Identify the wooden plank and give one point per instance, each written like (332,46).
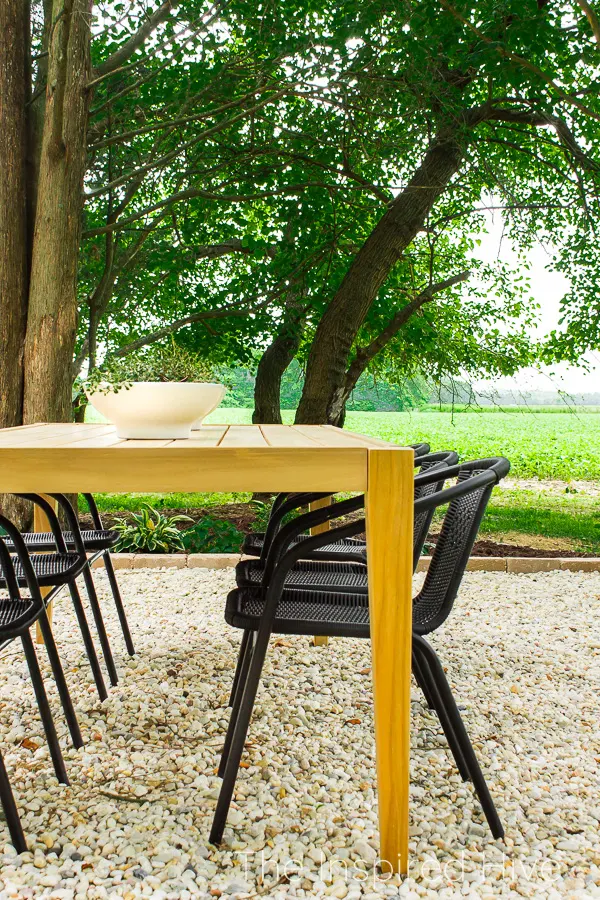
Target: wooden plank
(41,523)
(287,436)
(126,467)
(101,438)
(328,436)
(365,439)
(243,436)
(42,433)
(207,436)
(389,508)
(320,640)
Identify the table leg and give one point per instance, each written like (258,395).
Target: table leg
(320,640)
(41,523)
(389,512)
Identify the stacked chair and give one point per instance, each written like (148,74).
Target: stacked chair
(36,563)
(278,594)
(89,545)
(22,605)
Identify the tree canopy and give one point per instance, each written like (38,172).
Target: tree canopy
(305,180)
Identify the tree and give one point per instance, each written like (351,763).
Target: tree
(477,90)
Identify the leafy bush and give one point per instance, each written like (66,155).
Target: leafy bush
(150,532)
(211,535)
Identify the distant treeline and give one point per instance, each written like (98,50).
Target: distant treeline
(370,394)
(377,394)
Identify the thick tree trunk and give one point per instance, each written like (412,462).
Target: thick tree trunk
(273,363)
(337,330)
(14,65)
(52,309)
(13,207)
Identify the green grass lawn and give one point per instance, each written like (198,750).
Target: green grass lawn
(546,445)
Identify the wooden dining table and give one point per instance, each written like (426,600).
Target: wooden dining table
(77,458)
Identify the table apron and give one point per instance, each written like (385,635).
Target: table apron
(219,469)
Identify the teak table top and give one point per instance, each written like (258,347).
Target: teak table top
(233,458)
(64,458)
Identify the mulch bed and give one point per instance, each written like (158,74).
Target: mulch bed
(242,515)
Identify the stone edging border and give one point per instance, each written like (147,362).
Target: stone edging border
(511,564)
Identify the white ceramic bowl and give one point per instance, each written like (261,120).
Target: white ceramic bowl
(157,409)
(218,396)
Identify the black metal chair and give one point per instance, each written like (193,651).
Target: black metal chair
(18,612)
(340,565)
(98,542)
(272,607)
(56,548)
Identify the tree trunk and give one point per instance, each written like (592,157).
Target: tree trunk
(52,309)
(273,363)
(337,330)
(13,208)
(14,66)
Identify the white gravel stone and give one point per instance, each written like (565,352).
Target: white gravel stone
(522,654)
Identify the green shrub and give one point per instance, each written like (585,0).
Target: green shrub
(211,535)
(151,532)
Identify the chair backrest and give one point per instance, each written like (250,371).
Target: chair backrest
(422,520)
(420,449)
(467,501)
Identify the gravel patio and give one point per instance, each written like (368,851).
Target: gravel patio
(523,654)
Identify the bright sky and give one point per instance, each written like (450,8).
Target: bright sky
(547,289)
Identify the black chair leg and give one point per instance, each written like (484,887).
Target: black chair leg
(438,705)
(88,642)
(10,811)
(112,580)
(420,679)
(242,676)
(248,696)
(97,613)
(61,684)
(462,737)
(236,677)
(44,708)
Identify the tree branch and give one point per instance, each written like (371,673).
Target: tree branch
(592,18)
(191,193)
(364,355)
(120,56)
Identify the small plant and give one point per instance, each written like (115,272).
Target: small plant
(211,535)
(151,532)
(170,363)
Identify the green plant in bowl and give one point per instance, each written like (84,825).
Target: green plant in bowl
(170,363)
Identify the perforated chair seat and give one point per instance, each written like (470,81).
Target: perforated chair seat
(350,547)
(301,612)
(315,611)
(50,568)
(93,540)
(318,576)
(12,610)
